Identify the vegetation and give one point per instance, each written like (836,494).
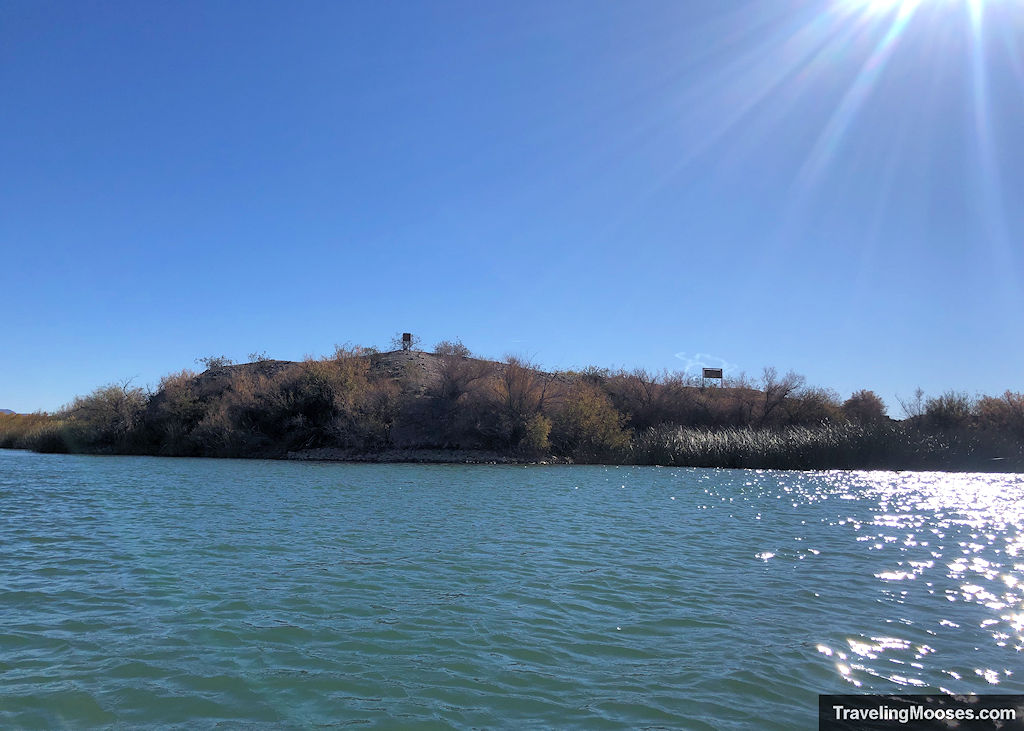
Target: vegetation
(359,401)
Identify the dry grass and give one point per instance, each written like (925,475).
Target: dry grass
(39,431)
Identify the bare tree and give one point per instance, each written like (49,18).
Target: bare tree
(913,408)
(521,392)
(776,390)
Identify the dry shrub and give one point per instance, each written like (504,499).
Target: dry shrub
(587,426)
(1003,414)
(452,348)
(108,419)
(455,404)
(812,406)
(950,411)
(175,412)
(864,407)
(518,393)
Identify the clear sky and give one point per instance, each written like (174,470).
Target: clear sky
(829,186)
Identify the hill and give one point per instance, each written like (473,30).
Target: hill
(360,404)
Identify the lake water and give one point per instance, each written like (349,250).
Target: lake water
(149,592)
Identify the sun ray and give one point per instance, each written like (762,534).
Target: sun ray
(990,194)
(837,126)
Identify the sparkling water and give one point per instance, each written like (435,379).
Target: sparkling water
(149,592)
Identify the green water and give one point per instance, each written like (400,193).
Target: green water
(177,593)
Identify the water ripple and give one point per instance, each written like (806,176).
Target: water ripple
(198,593)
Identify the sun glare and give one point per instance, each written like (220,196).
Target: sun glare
(880,7)
(885,6)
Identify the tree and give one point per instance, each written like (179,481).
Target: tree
(775,390)
(865,408)
(519,393)
(457,372)
(913,408)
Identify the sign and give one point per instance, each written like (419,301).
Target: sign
(712,373)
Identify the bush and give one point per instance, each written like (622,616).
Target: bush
(950,411)
(174,412)
(517,393)
(812,406)
(353,401)
(108,419)
(1003,415)
(864,407)
(213,362)
(535,435)
(452,348)
(587,426)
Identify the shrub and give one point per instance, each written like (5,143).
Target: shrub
(1004,414)
(535,435)
(107,419)
(812,406)
(952,410)
(864,407)
(518,392)
(212,362)
(452,348)
(174,412)
(644,399)
(587,426)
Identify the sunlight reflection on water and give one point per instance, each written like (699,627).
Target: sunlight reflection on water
(949,542)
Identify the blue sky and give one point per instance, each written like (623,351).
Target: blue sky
(827,186)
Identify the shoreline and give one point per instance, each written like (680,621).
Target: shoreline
(479,457)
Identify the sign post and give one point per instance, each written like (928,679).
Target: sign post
(714,373)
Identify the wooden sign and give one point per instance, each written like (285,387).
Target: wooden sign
(712,373)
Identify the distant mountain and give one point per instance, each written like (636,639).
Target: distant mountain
(7,411)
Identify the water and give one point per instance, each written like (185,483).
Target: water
(148,592)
